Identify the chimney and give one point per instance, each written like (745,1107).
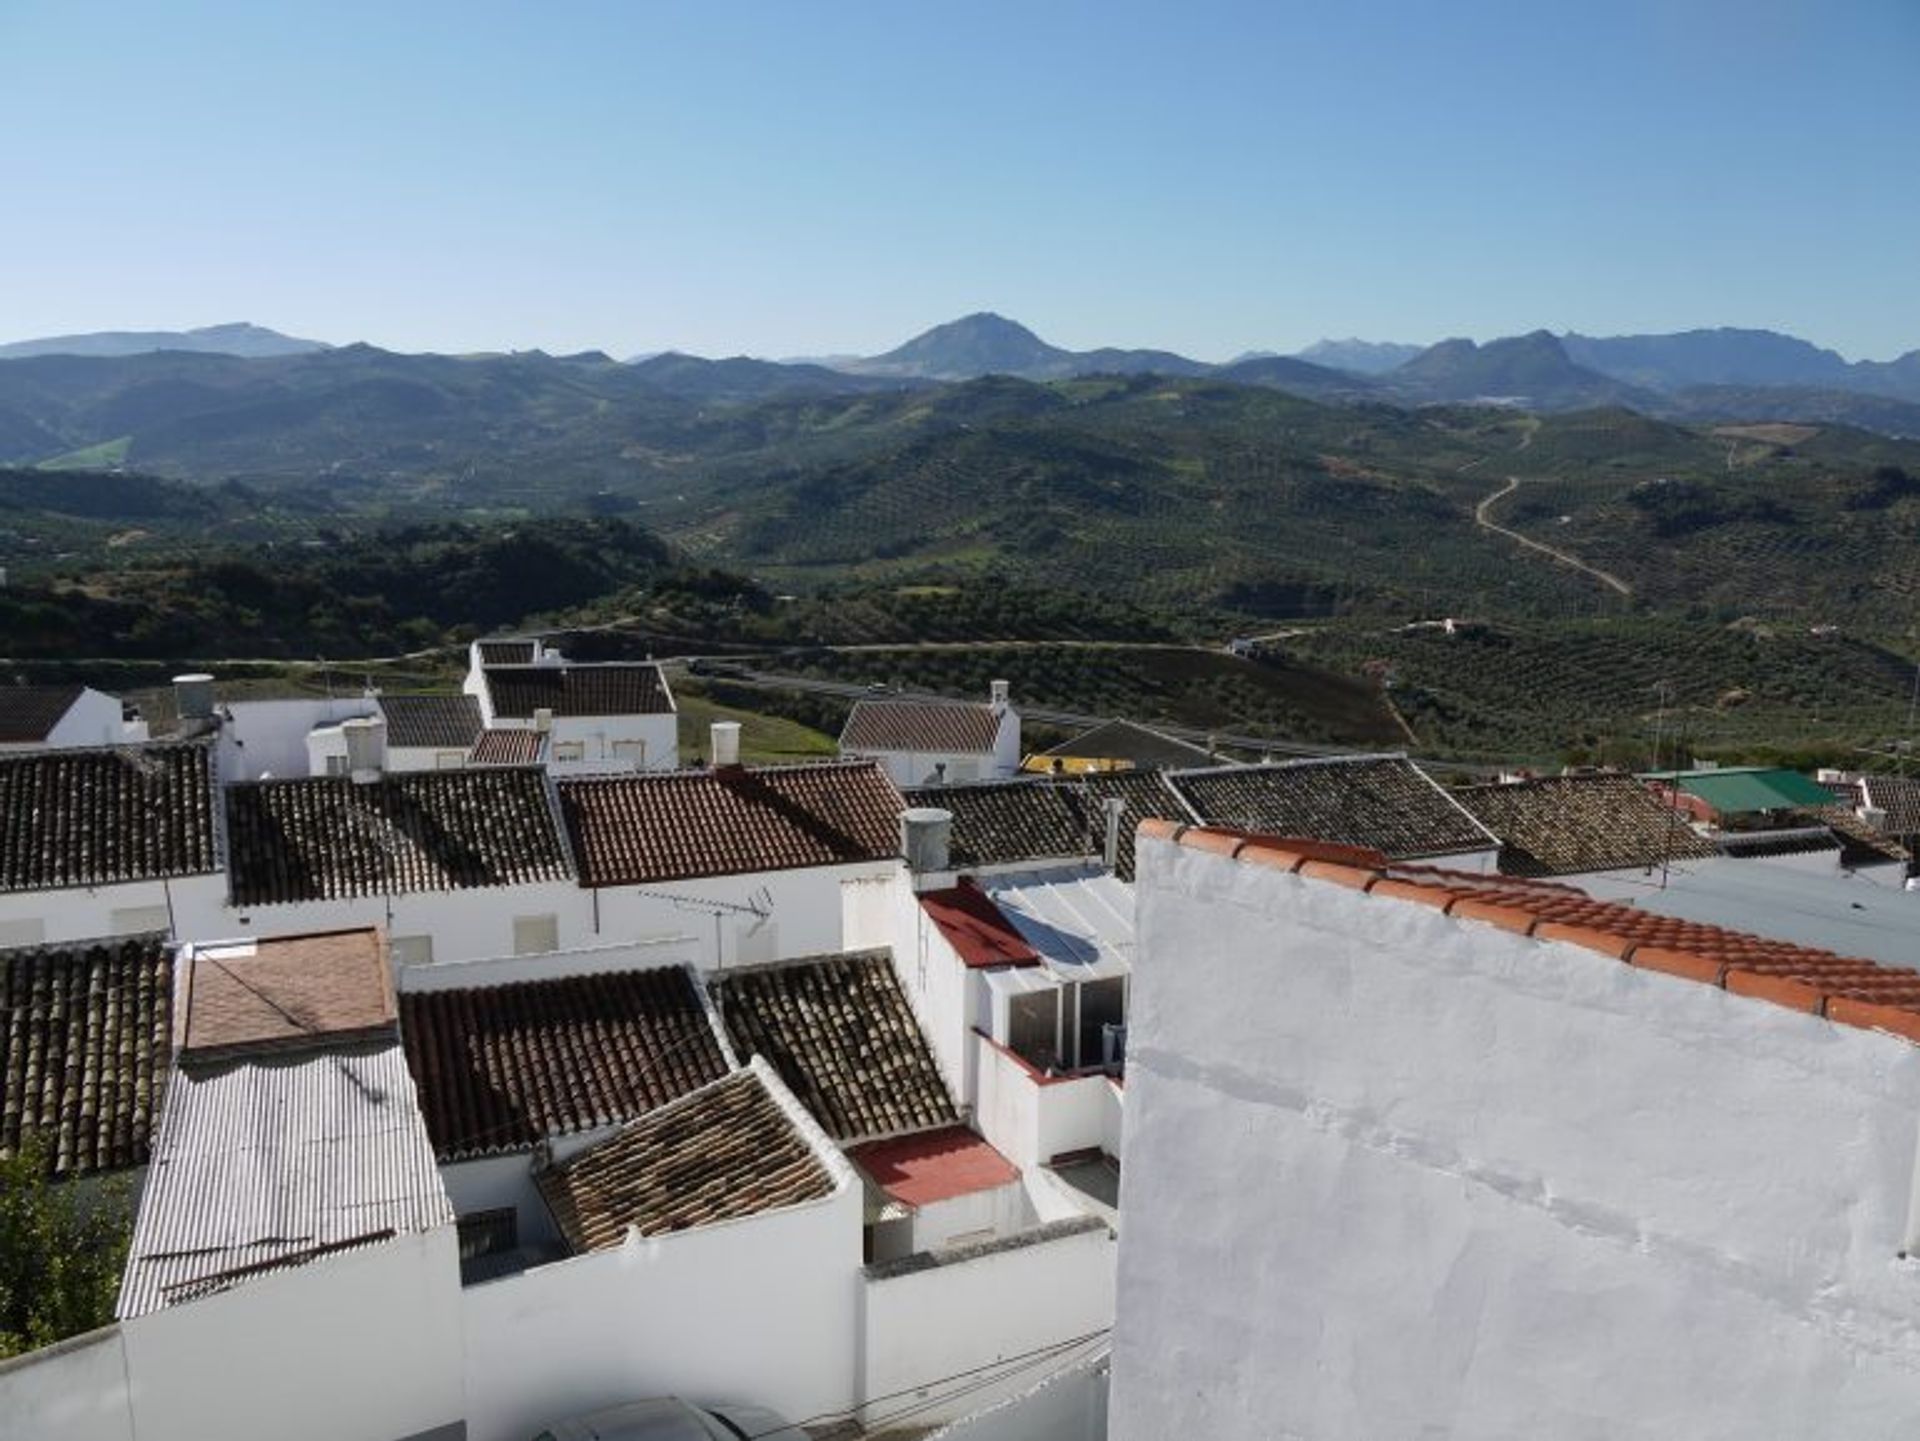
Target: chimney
(923,840)
(193,696)
(725,743)
(366,744)
(543,719)
(1113,806)
(1000,691)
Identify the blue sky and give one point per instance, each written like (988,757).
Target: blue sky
(792,178)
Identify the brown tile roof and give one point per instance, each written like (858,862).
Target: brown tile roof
(722,1153)
(500,1068)
(501,746)
(103,817)
(288,993)
(448,721)
(1860,843)
(1899,797)
(622,688)
(642,829)
(841,1034)
(29,712)
(85,1039)
(1385,803)
(1846,989)
(1565,824)
(506,652)
(328,837)
(926,726)
(1007,822)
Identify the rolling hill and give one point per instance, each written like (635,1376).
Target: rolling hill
(236,338)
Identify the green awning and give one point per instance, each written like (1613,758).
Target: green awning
(1733,791)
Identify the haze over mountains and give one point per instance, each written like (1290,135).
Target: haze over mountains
(1701,374)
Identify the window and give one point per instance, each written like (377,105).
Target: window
(336,765)
(535,935)
(411,950)
(1033,1027)
(565,751)
(633,752)
(137,920)
(449,760)
(488,1233)
(29,932)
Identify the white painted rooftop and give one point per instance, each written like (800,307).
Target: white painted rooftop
(1080,922)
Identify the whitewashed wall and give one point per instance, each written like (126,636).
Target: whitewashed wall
(804,914)
(931,1317)
(1071,1406)
(84,912)
(1001,1211)
(1031,1119)
(73,1391)
(269,737)
(607,743)
(1395,1174)
(94,719)
(366,1343)
(465,925)
(762,1310)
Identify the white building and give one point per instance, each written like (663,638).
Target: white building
(596,718)
(929,741)
(406,733)
(455,865)
(111,842)
(1414,1154)
(45,717)
(751,859)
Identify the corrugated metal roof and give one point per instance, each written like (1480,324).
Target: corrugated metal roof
(1733,791)
(275,1162)
(1081,924)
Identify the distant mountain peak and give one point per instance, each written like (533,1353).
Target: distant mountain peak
(234,337)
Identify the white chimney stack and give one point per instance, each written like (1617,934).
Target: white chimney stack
(366,744)
(543,719)
(1001,693)
(726,743)
(193,696)
(924,832)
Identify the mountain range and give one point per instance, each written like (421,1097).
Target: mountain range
(235,338)
(1717,375)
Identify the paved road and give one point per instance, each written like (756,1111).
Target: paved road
(1480,518)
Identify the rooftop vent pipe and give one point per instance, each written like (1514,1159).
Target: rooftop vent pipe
(1001,692)
(726,743)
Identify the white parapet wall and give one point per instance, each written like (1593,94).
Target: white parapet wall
(761,1310)
(945,1333)
(1392,1173)
(1032,1118)
(73,1391)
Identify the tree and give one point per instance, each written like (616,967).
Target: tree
(62,1247)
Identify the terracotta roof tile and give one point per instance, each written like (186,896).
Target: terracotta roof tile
(450,721)
(1008,822)
(1385,803)
(1899,797)
(104,817)
(976,928)
(925,726)
(328,837)
(29,712)
(721,1153)
(932,1166)
(85,1041)
(843,1038)
(1848,989)
(506,652)
(243,998)
(500,1068)
(1562,825)
(503,746)
(642,829)
(623,688)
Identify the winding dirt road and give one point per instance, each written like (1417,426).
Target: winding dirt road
(1481,518)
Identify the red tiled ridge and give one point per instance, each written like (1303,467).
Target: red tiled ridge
(1847,989)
